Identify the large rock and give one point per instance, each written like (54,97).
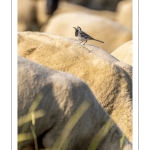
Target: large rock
(64,95)
(109,31)
(109,79)
(124,13)
(124,53)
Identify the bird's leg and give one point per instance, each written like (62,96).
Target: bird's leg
(80,42)
(85,42)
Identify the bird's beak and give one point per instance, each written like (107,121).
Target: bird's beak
(74,27)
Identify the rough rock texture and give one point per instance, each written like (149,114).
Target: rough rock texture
(124,13)
(109,31)
(124,53)
(62,94)
(107,77)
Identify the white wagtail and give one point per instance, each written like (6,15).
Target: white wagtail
(82,36)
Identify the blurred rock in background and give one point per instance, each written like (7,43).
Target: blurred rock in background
(69,7)
(97,4)
(51,6)
(124,13)
(26,15)
(33,14)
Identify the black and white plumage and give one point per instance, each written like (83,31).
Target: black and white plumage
(82,36)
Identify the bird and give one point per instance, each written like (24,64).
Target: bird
(82,36)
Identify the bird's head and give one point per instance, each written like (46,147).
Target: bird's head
(77,30)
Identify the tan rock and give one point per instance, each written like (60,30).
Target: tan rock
(124,53)
(124,13)
(109,81)
(64,97)
(112,33)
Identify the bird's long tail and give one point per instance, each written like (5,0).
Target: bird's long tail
(98,40)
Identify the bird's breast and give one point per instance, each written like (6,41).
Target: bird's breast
(81,38)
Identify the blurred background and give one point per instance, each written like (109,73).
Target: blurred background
(106,20)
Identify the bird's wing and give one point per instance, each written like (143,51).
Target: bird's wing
(85,35)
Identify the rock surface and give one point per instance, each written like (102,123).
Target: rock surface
(63,95)
(124,53)
(109,79)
